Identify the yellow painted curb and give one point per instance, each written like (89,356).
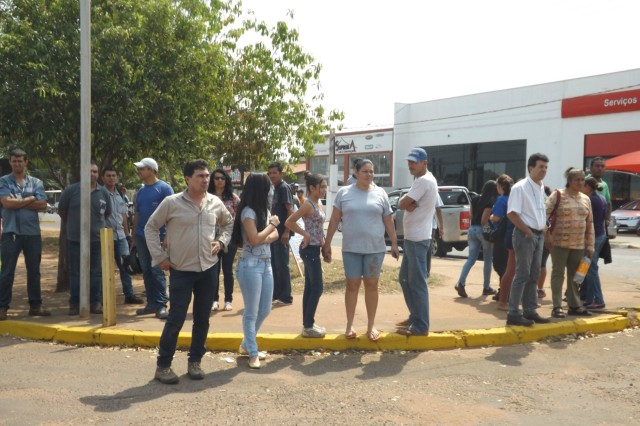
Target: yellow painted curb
(498,336)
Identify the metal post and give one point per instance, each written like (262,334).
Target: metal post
(85,153)
(333,174)
(108,280)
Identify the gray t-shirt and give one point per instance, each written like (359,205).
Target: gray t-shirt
(100,207)
(262,251)
(362,218)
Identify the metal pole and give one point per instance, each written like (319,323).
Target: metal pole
(333,174)
(85,153)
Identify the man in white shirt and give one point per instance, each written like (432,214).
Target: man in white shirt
(191,257)
(419,205)
(526,210)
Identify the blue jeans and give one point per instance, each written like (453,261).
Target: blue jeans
(476,240)
(226,261)
(313,285)
(413,280)
(182,285)
(281,272)
(31,247)
(95,273)
(592,280)
(528,253)
(120,249)
(155,283)
(256,283)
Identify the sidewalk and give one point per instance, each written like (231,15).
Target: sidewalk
(455,322)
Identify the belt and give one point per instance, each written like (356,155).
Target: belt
(535,231)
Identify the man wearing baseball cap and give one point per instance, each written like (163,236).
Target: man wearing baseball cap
(419,205)
(147,200)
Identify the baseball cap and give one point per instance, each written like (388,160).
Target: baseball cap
(147,162)
(416,155)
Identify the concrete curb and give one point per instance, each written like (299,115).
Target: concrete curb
(499,336)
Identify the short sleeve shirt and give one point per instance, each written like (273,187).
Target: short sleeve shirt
(362,218)
(262,251)
(100,207)
(418,223)
(21,221)
(148,199)
(281,197)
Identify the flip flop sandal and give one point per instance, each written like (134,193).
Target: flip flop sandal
(350,335)
(374,335)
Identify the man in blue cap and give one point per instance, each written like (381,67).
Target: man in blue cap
(419,205)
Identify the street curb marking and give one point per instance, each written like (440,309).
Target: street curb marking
(498,336)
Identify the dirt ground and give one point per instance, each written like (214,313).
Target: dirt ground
(572,381)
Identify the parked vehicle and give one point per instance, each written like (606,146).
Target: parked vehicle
(628,216)
(455,216)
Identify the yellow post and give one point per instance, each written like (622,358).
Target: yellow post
(108,280)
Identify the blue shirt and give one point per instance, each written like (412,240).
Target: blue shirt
(599,208)
(147,201)
(22,221)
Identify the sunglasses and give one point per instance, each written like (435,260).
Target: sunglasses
(219,178)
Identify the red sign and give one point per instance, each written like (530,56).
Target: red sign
(607,103)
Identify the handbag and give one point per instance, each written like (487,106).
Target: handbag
(495,234)
(551,223)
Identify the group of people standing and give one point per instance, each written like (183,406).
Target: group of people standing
(535,223)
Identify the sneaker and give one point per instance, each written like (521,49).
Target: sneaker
(595,306)
(496,296)
(541,293)
(3,314)
(461,291)
(262,355)
(166,376)
(312,332)
(488,291)
(133,300)
(317,327)
(519,320)
(74,310)
(278,302)
(254,363)
(215,306)
(227,306)
(39,312)
(195,371)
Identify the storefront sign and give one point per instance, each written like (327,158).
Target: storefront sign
(376,141)
(607,103)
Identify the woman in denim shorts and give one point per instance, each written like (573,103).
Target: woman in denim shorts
(365,213)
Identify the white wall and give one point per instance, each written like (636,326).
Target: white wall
(531,113)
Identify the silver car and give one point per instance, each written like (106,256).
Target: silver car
(628,216)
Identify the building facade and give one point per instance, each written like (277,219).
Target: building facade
(470,139)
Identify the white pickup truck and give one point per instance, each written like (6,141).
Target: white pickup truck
(455,216)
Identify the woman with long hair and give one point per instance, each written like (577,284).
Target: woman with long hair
(498,214)
(220,186)
(254,229)
(595,299)
(572,235)
(365,212)
(312,214)
(480,212)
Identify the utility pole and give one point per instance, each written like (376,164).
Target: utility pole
(333,174)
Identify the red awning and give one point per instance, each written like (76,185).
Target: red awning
(629,162)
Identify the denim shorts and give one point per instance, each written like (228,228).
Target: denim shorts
(367,265)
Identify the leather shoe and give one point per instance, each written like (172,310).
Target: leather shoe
(519,320)
(411,332)
(74,310)
(39,312)
(162,313)
(535,317)
(461,291)
(133,300)
(3,314)
(145,311)
(96,308)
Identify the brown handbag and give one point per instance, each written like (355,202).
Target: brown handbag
(551,223)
